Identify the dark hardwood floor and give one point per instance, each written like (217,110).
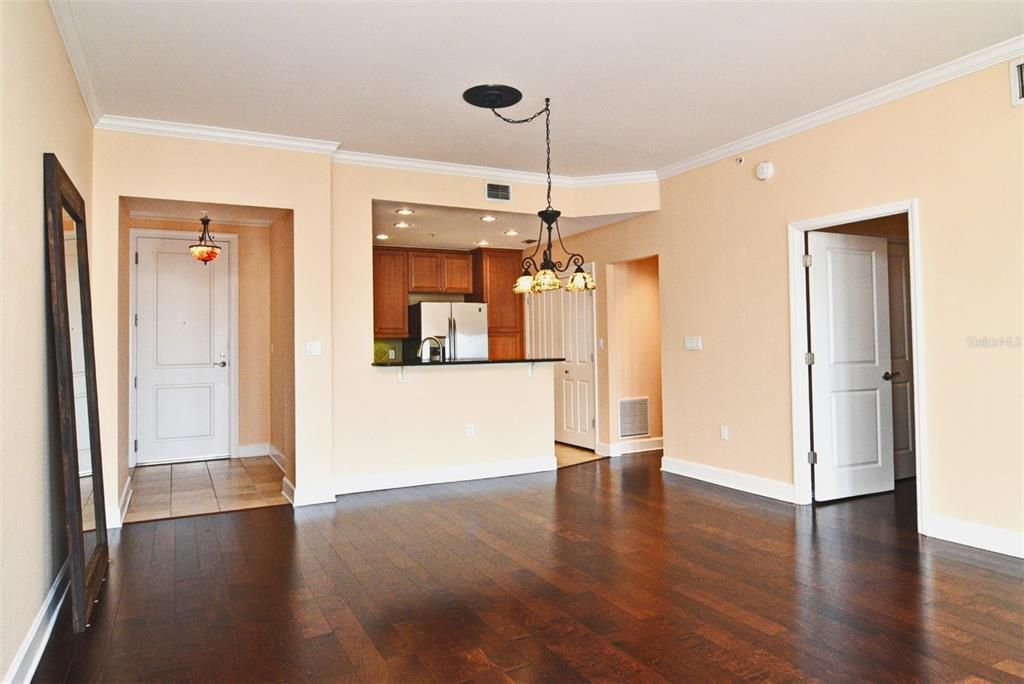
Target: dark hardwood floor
(608,571)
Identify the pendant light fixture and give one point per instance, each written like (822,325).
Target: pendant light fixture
(542,277)
(206,250)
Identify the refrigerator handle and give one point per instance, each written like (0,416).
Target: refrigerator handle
(454,338)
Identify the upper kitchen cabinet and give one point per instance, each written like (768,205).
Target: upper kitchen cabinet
(447,272)
(494,272)
(390,293)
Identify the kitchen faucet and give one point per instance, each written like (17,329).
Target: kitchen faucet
(427,341)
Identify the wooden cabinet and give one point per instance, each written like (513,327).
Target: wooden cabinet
(457,273)
(425,273)
(447,272)
(390,293)
(494,273)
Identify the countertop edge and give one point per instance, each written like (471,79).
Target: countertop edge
(475,362)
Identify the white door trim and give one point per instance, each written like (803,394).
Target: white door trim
(230,238)
(799,382)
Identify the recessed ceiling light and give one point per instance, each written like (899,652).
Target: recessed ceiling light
(482,243)
(383,236)
(511,231)
(403,224)
(488,219)
(404,211)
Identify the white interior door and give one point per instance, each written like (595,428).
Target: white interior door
(851,395)
(77,354)
(183,342)
(562,325)
(902,361)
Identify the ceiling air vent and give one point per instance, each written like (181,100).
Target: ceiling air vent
(499,192)
(634,417)
(1017,82)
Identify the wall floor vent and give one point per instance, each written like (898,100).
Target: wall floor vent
(634,417)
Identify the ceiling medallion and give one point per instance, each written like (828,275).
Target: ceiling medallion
(545,276)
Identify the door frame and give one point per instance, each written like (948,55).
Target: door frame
(593,317)
(798,321)
(133,406)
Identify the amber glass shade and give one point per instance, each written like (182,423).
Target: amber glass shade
(580,281)
(546,280)
(524,284)
(205,253)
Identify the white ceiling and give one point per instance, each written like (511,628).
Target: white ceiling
(633,86)
(454,228)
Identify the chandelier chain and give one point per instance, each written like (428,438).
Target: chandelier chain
(546,111)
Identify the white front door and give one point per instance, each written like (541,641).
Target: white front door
(902,361)
(182,353)
(562,325)
(851,396)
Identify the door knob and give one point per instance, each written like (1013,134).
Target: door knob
(222,364)
(889,376)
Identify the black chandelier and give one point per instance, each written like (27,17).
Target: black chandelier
(544,276)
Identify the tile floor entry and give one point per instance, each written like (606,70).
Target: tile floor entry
(567,455)
(180,489)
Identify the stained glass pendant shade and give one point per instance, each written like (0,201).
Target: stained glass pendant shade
(206,250)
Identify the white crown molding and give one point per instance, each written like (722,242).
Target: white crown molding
(488,172)
(961,66)
(65,19)
(127,124)
(258,223)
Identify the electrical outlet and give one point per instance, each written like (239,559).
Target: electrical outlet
(470,430)
(723,432)
(313,347)
(693,343)
(391,354)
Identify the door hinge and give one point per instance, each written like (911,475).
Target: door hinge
(807,260)
(136,446)
(812,457)
(809,358)
(136,257)
(593,422)
(136,320)
(135,382)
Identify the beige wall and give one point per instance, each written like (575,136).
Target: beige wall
(253,318)
(391,428)
(131,165)
(722,241)
(282,342)
(633,346)
(42,111)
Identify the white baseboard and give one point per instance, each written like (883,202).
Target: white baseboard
(773,489)
(998,539)
(126,498)
(252,450)
(631,446)
(472,471)
(277,456)
(288,490)
(23,667)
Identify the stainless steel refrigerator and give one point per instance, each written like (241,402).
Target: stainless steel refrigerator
(460,326)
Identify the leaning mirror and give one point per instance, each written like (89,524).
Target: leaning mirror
(81,462)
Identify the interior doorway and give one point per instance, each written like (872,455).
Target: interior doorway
(562,324)
(855,308)
(207,356)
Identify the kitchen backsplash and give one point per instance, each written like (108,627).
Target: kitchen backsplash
(382,347)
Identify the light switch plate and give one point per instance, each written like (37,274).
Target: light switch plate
(693,343)
(723,432)
(312,347)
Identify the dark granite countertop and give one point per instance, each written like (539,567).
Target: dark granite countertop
(467,362)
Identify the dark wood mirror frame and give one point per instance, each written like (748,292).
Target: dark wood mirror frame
(87,574)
